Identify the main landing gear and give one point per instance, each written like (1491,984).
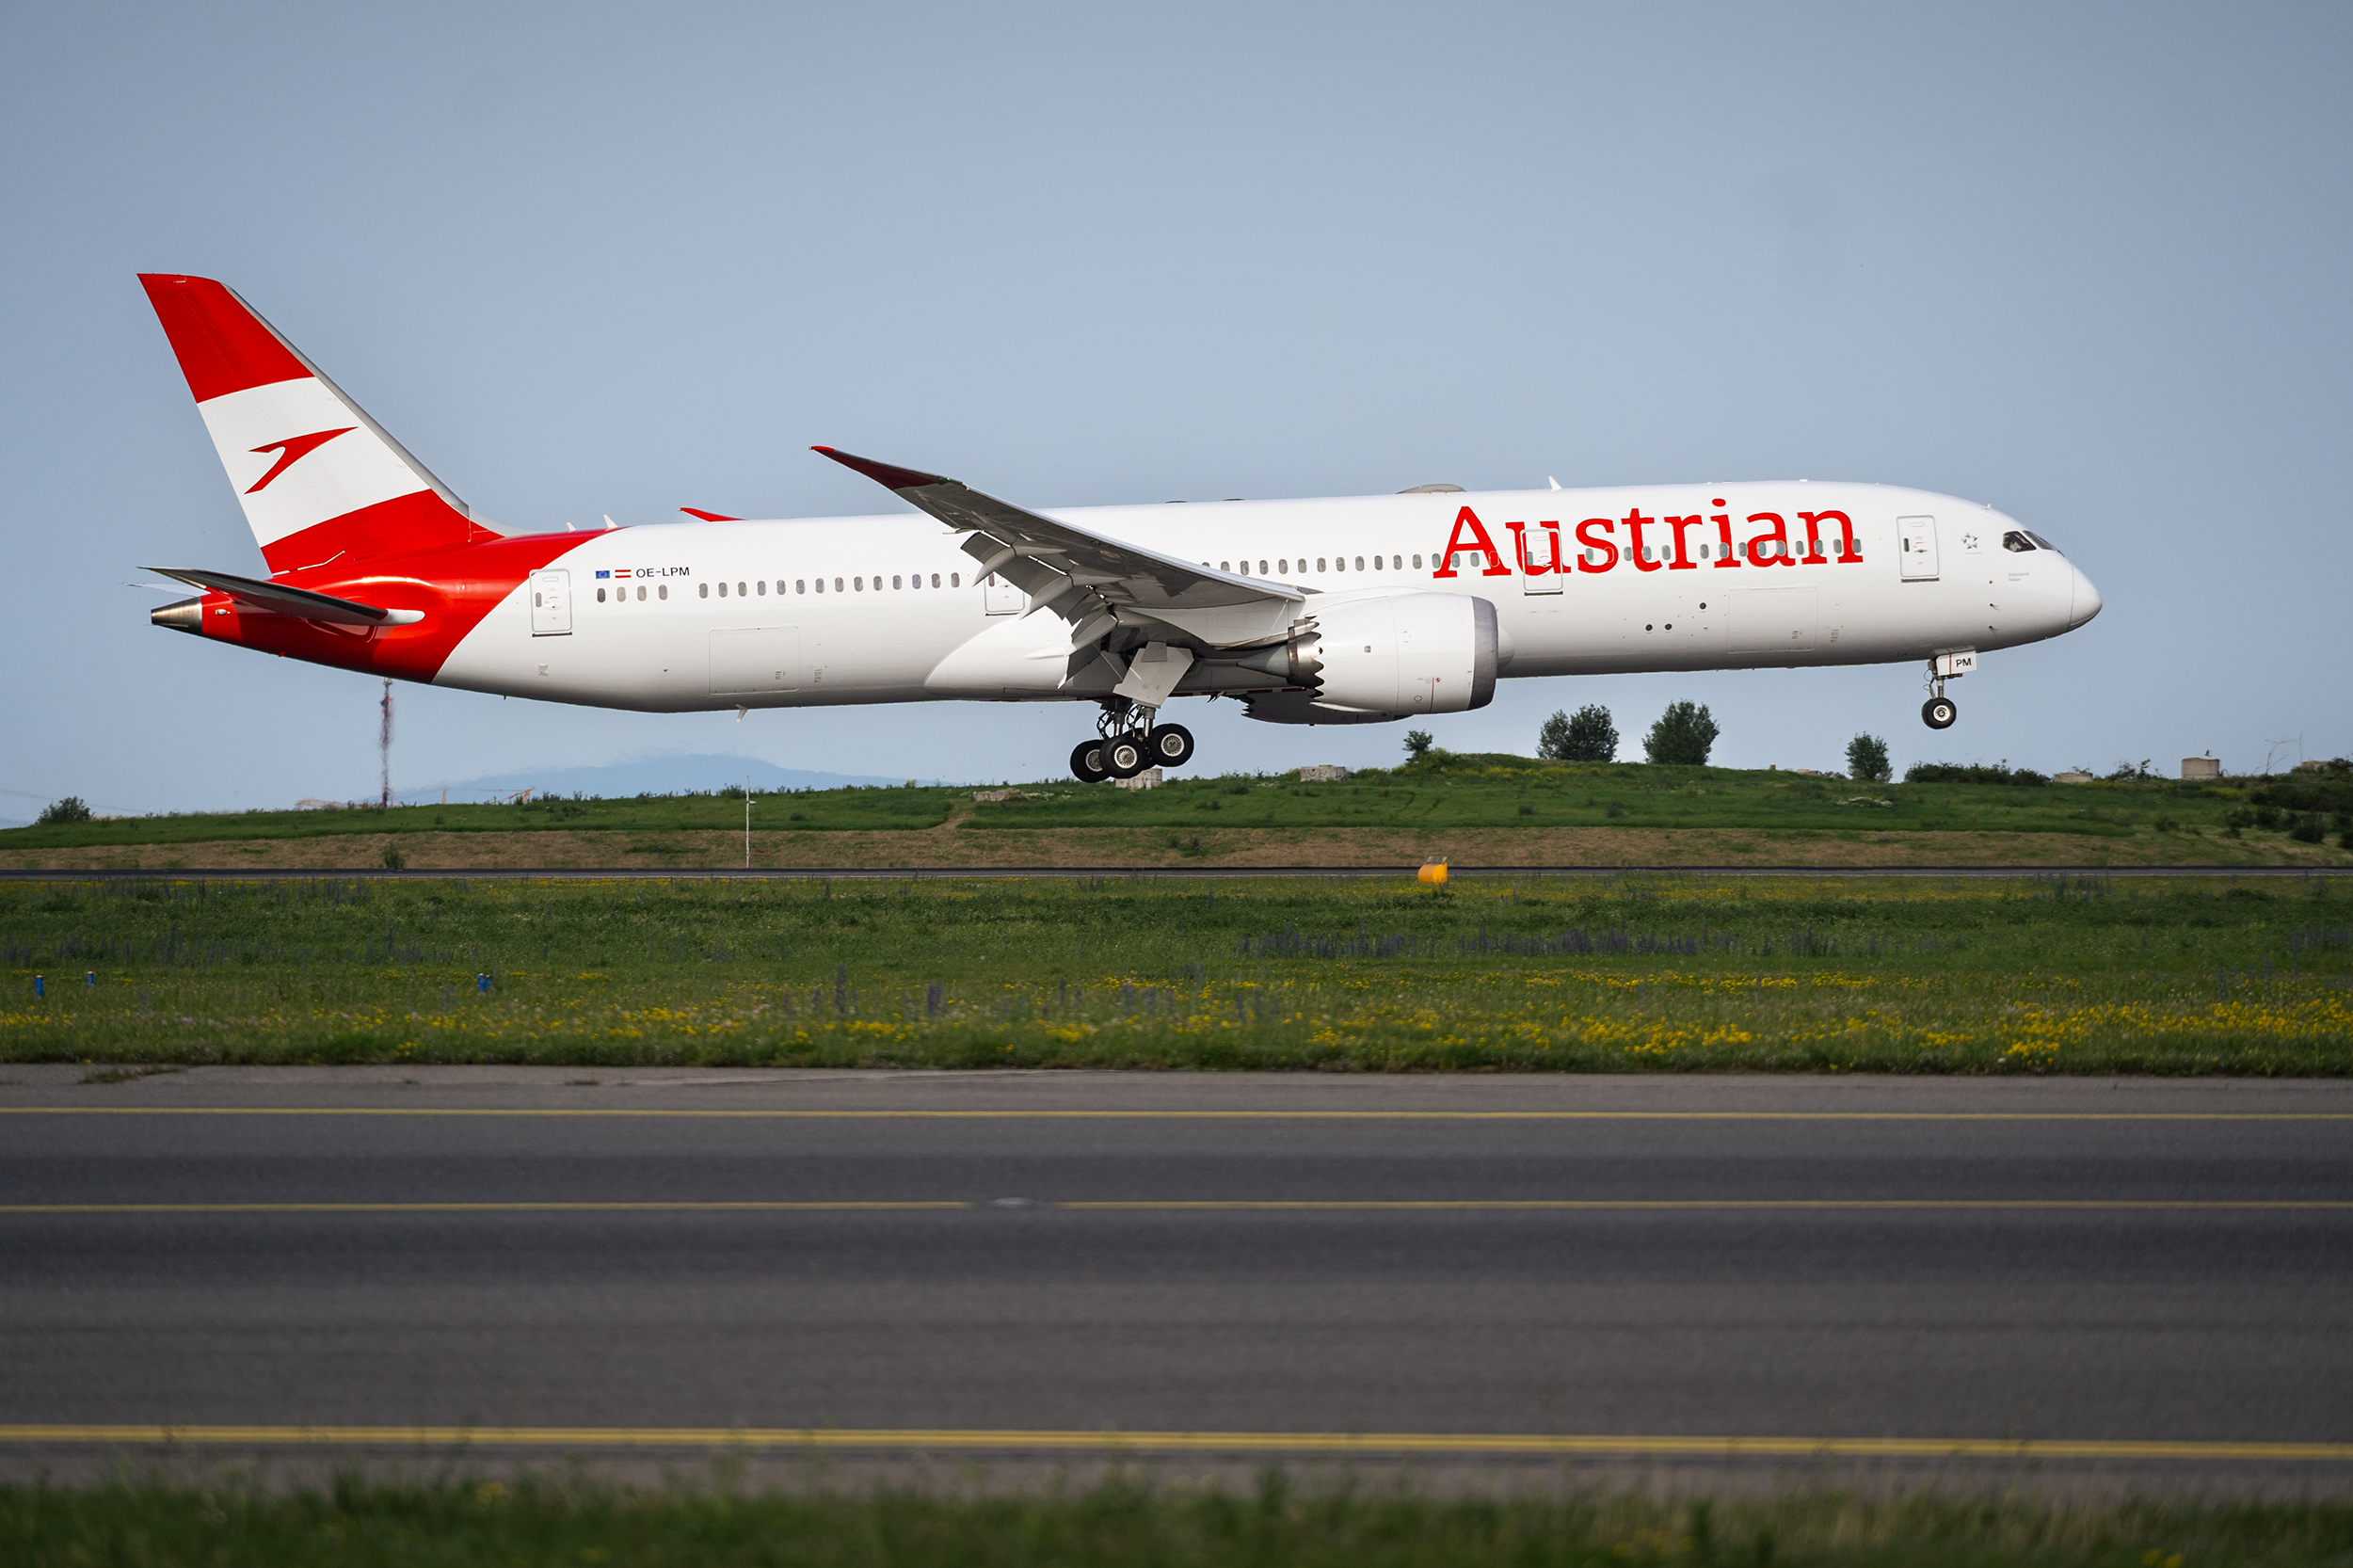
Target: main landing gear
(1130,743)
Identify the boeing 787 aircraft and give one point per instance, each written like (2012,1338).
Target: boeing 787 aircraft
(1343,610)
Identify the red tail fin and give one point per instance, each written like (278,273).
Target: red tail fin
(319,479)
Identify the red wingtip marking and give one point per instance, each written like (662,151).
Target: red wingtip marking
(222,346)
(708,516)
(888,475)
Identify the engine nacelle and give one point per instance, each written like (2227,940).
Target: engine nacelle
(1398,653)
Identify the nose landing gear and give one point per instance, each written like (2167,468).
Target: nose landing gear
(1940,711)
(1130,743)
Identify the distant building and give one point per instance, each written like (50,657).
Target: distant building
(1322,774)
(2201,767)
(2070,779)
(1148,779)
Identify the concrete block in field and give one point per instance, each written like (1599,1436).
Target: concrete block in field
(1325,775)
(2201,767)
(1148,779)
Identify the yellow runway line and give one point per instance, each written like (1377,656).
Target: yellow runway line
(1191,1116)
(1108,1443)
(1228,1206)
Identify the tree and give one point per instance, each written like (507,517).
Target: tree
(1586,737)
(1684,734)
(1867,760)
(70,809)
(1417,743)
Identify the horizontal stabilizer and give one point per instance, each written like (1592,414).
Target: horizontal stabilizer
(299,602)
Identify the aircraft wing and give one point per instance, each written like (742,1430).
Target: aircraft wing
(299,602)
(1086,577)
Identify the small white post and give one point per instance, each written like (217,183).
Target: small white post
(747,822)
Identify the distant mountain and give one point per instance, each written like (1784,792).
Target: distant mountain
(659,775)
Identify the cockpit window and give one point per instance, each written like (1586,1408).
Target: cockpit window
(2042,543)
(2018,539)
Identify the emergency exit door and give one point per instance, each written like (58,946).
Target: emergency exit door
(551,604)
(1917,546)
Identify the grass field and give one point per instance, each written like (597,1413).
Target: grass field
(2066,974)
(1490,809)
(457,1521)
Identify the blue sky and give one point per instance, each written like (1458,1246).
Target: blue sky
(2085,263)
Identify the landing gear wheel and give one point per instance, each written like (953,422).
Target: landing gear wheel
(1124,755)
(1171,746)
(1938,713)
(1086,763)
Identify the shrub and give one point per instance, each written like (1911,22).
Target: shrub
(1684,734)
(72,808)
(1867,760)
(2308,830)
(394,860)
(1587,736)
(1417,743)
(1971,773)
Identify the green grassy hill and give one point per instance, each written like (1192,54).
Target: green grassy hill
(1443,792)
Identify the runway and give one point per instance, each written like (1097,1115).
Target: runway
(2150,1270)
(1171,873)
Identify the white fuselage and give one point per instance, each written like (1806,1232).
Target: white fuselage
(821,611)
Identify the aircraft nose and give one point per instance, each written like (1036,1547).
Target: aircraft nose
(2087,598)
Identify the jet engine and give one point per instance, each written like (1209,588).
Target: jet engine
(1390,654)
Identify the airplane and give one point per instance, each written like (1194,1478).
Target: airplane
(1340,609)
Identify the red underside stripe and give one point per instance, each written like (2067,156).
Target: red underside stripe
(454,588)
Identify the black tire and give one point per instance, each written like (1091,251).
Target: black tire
(1126,756)
(1938,713)
(1171,746)
(1086,763)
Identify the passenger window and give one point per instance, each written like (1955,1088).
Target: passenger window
(800,584)
(641,596)
(1283,566)
(954,580)
(1319,567)
(702,590)
(764,587)
(934,580)
(858,585)
(535,601)
(601,596)
(1418,561)
(894,581)
(663,591)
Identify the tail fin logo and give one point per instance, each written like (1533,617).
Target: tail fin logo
(292,450)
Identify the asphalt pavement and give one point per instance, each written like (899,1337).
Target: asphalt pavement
(2135,1270)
